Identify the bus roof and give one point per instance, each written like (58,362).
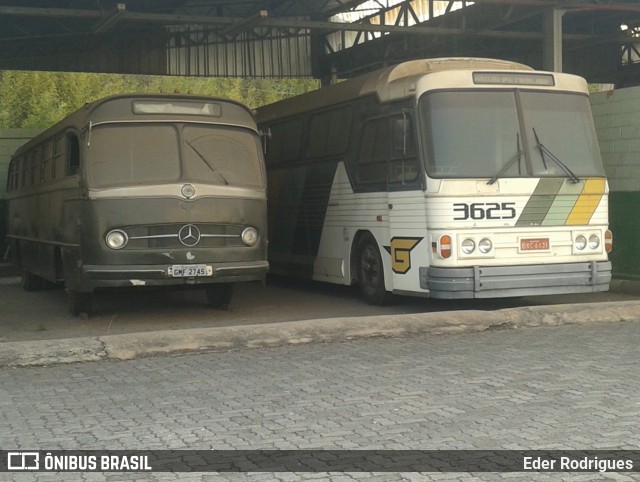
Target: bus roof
(378,82)
(120,108)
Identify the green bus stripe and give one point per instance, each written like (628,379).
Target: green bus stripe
(540,202)
(563,204)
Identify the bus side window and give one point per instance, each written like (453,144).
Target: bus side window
(374,152)
(285,142)
(73,155)
(10,176)
(14,175)
(403,145)
(329,132)
(33,167)
(404,162)
(44,160)
(387,152)
(56,162)
(23,171)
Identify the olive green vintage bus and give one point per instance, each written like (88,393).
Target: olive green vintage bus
(141,190)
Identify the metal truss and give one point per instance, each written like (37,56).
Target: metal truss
(300,38)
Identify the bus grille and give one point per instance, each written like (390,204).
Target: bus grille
(173,236)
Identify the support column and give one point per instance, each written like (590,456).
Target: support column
(552,40)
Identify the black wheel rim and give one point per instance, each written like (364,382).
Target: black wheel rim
(369,268)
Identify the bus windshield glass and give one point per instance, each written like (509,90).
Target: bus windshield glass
(135,154)
(225,156)
(471,134)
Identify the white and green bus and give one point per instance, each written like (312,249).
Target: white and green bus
(449,178)
(141,190)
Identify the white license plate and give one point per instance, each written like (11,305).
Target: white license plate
(190,270)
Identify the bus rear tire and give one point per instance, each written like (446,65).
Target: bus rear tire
(31,282)
(79,303)
(371,272)
(219,295)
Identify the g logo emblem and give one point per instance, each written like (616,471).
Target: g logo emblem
(400,251)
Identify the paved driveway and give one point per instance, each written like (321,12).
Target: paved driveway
(43,314)
(562,387)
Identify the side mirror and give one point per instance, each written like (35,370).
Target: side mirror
(265,136)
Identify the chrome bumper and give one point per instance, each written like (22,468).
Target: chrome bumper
(158,275)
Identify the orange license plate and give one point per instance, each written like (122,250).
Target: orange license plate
(534,244)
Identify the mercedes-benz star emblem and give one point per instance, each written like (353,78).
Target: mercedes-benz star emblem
(188,191)
(189,235)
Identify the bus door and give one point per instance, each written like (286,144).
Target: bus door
(408,243)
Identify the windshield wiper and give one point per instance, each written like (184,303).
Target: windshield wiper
(516,158)
(215,171)
(543,150)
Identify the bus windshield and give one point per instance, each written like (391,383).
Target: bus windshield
(471,134)
(133,154)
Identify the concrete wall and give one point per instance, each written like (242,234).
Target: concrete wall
(10,140)
(617,118)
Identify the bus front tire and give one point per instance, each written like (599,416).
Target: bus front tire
(219,295)
(79,303)
(371,272)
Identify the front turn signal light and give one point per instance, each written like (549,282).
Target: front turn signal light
(608,241)
(445,246)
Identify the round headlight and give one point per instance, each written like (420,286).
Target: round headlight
(485,245)
(580,243)
(594,241)
(249,236)
(117,239)
(468,246)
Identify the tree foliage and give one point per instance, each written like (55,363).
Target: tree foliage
(40,99)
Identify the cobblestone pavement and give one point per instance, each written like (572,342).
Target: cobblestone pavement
(567,387)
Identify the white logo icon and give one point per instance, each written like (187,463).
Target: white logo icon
(23,461)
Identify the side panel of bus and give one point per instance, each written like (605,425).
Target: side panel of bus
(409,246)
(44,202)
(350,216)
(321,207)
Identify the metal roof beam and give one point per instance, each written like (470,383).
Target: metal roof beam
(614,7)
(109,22)
(244,24)
(49,12)
(414,30)
(265,21)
